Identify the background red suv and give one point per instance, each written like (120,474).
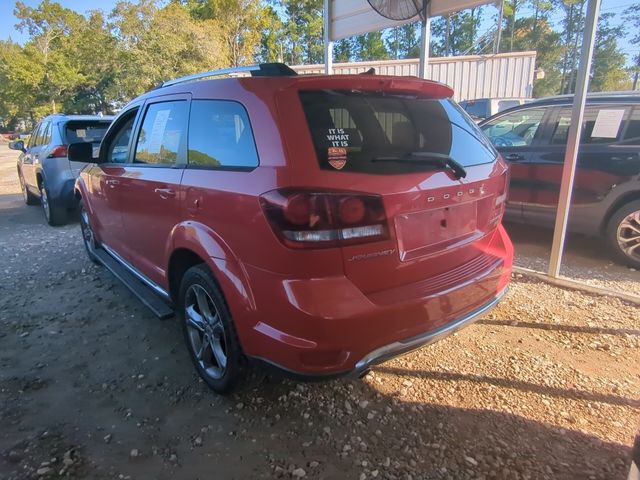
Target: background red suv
(319,223)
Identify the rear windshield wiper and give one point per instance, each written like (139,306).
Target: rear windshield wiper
(430,158)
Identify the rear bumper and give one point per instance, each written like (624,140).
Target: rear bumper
(401,347)
(326,326)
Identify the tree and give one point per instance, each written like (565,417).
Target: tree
(456,34)
(239,23)
(49,26)
(608,72)
(404,41)
(303,29)
(370,46)
(272,43)
(343,50)
(632,18)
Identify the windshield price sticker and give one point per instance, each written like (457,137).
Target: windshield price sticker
(338,137)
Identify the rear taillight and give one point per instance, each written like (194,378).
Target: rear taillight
(58,152)
(500,200)
(304,218)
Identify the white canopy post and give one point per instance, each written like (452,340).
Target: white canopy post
(573,138)
(425,40)
(328,42)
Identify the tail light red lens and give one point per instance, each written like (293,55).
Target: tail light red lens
(304,218)
(500,200)
(58,152)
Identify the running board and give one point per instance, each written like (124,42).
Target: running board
(145,294)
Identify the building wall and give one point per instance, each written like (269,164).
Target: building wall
(472,76)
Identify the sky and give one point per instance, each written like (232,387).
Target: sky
(8,21)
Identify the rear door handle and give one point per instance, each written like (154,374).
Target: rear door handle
(514,157)
(165,192)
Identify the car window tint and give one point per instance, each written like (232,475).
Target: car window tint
(633,127)
(32,137)
(220,135)
(506,104)
(85,131)
(118,144)
(46,137)
(355,131)
(561,126)
(476,108)
(162,134)
(515,129)
(40,134)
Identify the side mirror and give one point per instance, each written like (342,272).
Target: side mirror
(18,145)
(81,152)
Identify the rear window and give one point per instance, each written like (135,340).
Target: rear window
(506,104)
(389,134)
(476,108)
(85,131)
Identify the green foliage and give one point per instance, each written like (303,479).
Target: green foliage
(370,46)
(608,71)
(457,33)
(404,41)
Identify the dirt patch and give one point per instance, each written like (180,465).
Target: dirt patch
(545,386)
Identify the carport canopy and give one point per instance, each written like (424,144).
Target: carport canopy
(345,18)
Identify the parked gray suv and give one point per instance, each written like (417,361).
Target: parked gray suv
(46,175)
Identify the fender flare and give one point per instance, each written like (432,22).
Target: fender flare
(227,269)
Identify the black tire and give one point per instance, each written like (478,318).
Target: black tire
(214,336)
(53,214)
(29,198)
(621,231)
(88,237)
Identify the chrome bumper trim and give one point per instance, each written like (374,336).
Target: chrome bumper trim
(395,349)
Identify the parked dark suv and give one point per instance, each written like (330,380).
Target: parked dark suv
(606,192)
(46,175)
(321,224)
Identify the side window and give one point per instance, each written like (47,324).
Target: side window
(32,137)
(118,142)
(163,133)
(220,135)
(602,124)
(476,108)
(632,134)
(40,135)
(46,138)
(516,129)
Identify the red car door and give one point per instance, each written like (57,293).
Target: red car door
(105,186)
(150,185)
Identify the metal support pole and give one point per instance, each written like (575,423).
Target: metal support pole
(496,46)
(425,38)
(573,138)
(328,44)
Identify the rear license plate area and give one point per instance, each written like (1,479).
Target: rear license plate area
(436,231)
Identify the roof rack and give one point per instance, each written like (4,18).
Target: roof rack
(261,70)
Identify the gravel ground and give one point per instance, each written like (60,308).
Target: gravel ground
(586,259)
(92,386)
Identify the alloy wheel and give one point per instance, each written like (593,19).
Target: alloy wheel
(628,235)
(206,332)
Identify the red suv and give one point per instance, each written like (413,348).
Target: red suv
(321,224)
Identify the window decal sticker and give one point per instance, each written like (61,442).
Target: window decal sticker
(337,137)
(337,157)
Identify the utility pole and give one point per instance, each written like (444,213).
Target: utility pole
(496,45)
